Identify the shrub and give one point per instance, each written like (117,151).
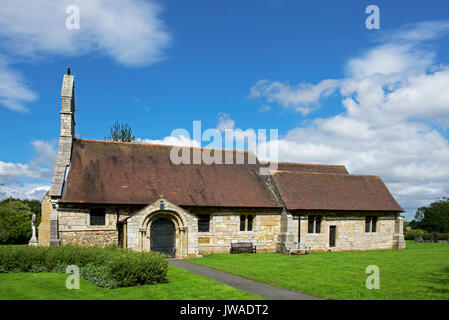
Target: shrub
(60,268)
(99,275)
(21,257)
(106,267)
(138,268)
(443,236)
(414,233)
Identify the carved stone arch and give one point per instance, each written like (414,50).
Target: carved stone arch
(177,218)
(168,211)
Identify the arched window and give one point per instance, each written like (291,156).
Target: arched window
(318,224)
(374,224)
(250,223)
(310,228)
(314,224)
(246,222)
(242,223)
(367,224)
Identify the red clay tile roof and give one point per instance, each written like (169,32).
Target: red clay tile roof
(132,173)
(328,191)
(308,167)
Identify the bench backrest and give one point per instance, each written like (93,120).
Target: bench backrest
(241,244)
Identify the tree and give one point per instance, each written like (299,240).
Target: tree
(434,217)
(121,132)
(15,221)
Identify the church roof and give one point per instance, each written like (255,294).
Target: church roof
(333,191)
(107,172)
(308,167)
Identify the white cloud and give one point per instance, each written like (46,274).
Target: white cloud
(47,150)
(12,174)
(24,191)
(129,31)
(420,31)
(390,59)
(174,141)
(225,122)
(14,91)
(303,97)
(392,97)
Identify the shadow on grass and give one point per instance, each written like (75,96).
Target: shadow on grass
(439,279)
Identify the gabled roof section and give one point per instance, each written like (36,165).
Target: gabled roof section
(330,191)
(308,167)
(136,173)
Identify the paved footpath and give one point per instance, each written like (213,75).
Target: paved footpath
(262,289)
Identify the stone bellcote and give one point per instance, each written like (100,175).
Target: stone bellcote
(66,136)
(68,106)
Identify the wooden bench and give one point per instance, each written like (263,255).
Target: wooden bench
(240,247)
(300,249)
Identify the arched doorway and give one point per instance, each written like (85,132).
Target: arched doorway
(162,236)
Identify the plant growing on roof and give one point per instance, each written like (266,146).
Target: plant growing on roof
(121,132)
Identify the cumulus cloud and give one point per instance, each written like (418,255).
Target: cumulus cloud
(14,90)
(130,32)
(15,177)
(12,172)
(421,31)
(24,191)
(395,99)
(174,141)
(225,122)
(47,151)
(303,97)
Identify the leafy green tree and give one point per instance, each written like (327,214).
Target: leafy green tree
(15,220)
(434,217)
(121,132)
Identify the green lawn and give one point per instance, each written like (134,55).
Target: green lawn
(419,272)
(182,285)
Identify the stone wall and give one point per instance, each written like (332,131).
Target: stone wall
(350,233)
(224,229)
(75,228)
(273,230)
(43,236)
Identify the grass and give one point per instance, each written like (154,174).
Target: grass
(419,272)
(182,284)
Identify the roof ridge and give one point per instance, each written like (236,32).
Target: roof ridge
(328,173)
(307,164)
(161,145)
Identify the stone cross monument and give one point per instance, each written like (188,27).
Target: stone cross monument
(33,240)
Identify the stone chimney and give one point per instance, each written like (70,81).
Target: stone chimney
(64,152)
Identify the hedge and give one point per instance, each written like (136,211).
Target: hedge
(109,267)
(413,234)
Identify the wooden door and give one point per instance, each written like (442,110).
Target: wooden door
(332,235)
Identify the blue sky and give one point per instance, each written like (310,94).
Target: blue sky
(250,64)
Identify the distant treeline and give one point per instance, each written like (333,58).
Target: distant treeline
(433,218)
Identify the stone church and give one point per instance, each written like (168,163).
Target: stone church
(131,194)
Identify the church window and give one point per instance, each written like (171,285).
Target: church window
(246,222)
(97,217)
(314,224)
(203,223)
